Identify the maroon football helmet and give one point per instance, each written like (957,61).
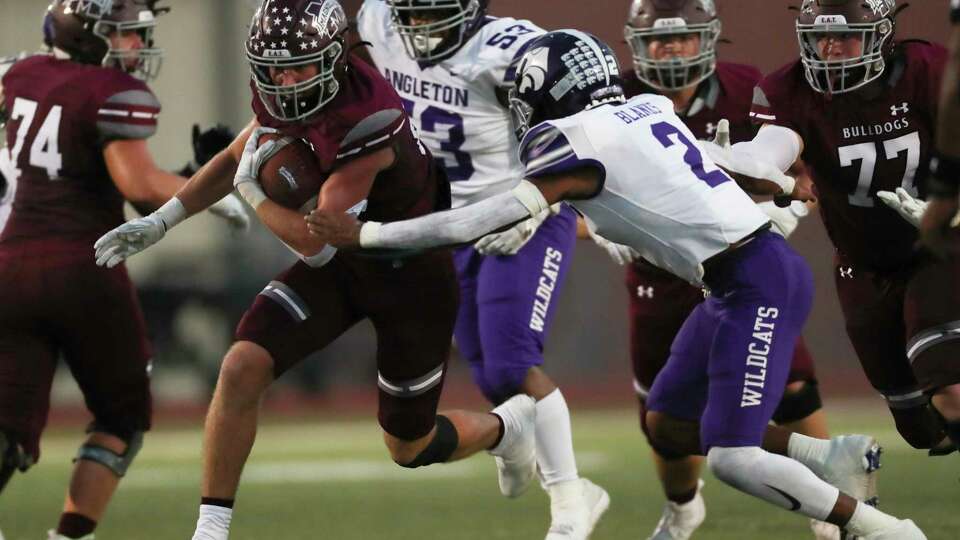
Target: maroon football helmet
(293,34)
(650,20)
(81,29)
(870,20)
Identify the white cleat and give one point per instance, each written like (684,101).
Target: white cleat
(851,466)
(824,531)
(905,529)
(516,455)
(680,520)
(575,508)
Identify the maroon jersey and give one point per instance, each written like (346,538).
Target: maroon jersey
(61,115)
(367,115)
(726,94)
(858,143)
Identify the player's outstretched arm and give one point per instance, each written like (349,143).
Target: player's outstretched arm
(459,225)
(759,165)
(209,187)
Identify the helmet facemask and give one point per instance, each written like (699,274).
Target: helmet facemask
(447,27)
(673,73)
(521,112)
(848,74)
(298,101)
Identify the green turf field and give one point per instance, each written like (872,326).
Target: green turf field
(333,480)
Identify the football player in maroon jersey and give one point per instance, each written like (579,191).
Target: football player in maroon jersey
(861,108)
(77,124)
(673,45)
(938,228)
(307,85)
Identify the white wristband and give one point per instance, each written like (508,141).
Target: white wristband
(251,192)
(530,197)
(370,234)
(171,213)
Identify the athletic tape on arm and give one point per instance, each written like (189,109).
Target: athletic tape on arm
(455,226)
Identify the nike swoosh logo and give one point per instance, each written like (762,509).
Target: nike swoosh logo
(790,498)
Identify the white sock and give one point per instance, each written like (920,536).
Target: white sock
(555,441)
(214,522)
(867,519)
(809,451)
(776,479)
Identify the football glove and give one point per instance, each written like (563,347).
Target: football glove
(510,241)
(909,208)
(620,253)
(784,220)
(245,180)
(231,209)
(138,234)
(210,142)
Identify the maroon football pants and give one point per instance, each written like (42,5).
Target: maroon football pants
(56,302)
(412,304)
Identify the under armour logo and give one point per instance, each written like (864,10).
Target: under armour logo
(644,292)
(711,128)
(846,272)
(902,109)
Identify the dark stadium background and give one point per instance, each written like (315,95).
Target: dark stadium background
(196,285)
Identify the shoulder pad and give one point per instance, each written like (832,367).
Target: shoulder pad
(128,114)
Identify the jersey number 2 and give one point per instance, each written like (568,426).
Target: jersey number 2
(45,148)
(664,132)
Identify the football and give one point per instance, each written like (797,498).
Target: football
(292,176)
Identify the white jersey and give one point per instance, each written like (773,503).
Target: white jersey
(456,105)
(660,196)
(8,186)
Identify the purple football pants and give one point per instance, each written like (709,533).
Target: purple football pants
(729,363)
(507,304)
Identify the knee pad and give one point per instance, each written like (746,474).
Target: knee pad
(798,405)
(12,458)
(440,448)
(728,463)
(118,463)
(918,423)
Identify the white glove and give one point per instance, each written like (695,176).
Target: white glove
(785,220)
(722,136)
(231,209)
(620,253)
(510,241)
(726,157)
(138,234)
(245,180)
(906,205)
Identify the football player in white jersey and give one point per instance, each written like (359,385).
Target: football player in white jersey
(453,82)
(633,170)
